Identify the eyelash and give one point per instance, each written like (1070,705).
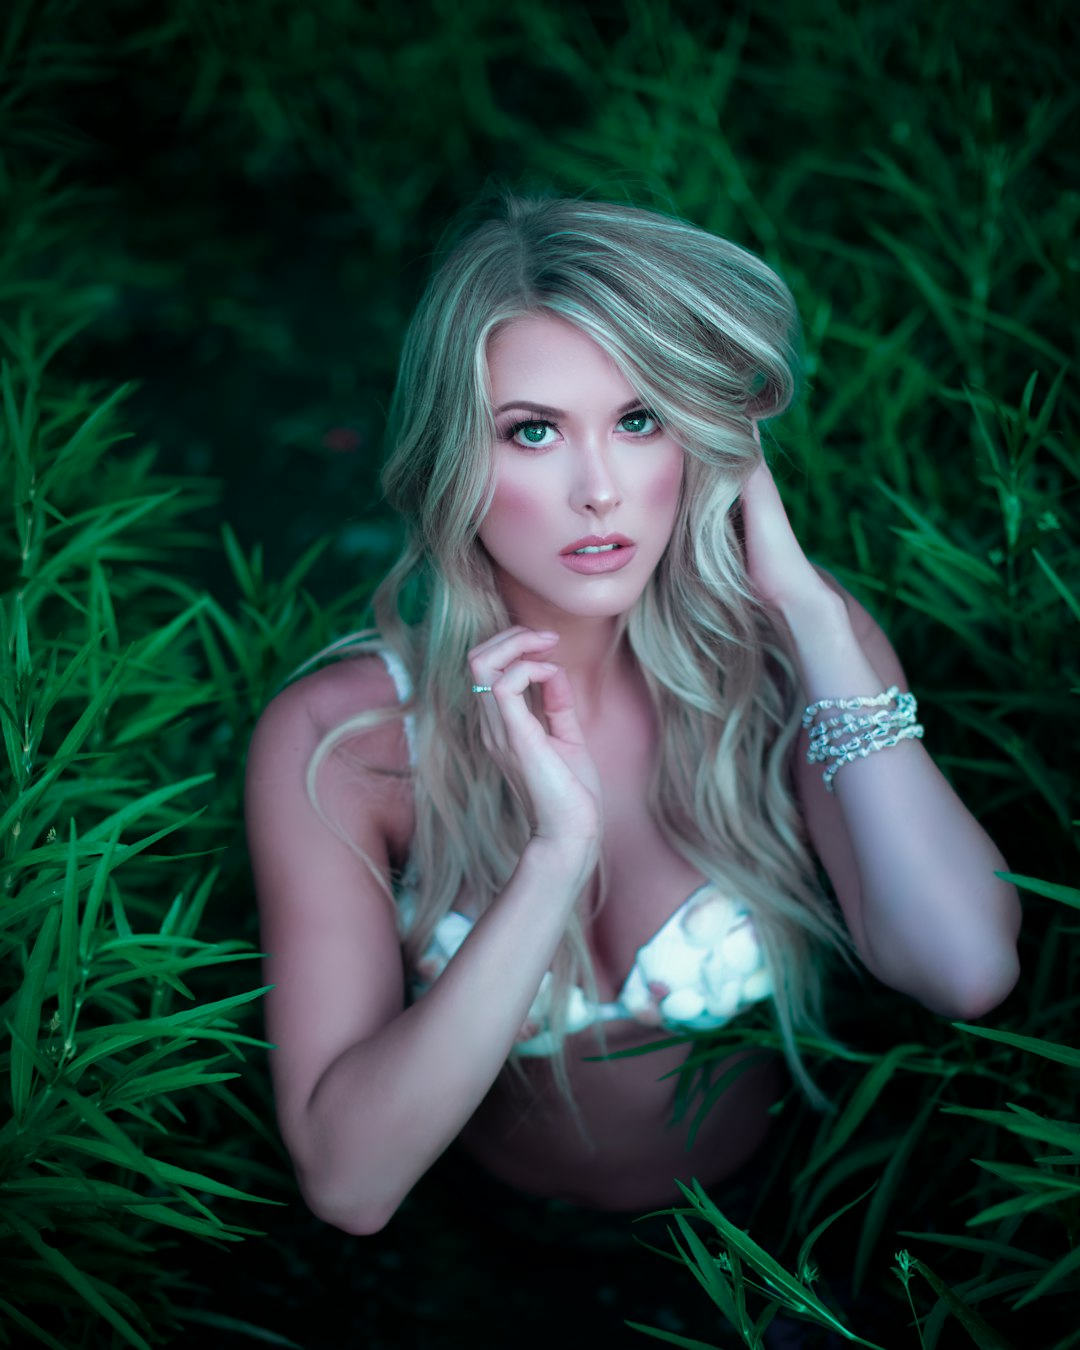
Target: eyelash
(512,431)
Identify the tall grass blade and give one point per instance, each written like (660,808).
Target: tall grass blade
(1033,1045)
(983,1335)
(1053,890)
(93,1291)
(27,1020)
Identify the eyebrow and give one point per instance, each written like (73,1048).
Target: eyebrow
(543,410)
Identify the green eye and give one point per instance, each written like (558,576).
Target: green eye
(638,422)
(529,435)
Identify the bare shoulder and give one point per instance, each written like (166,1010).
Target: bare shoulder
(295,722)
(316,704)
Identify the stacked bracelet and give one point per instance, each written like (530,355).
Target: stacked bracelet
(845,738)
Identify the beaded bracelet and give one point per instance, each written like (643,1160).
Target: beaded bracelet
(865,734)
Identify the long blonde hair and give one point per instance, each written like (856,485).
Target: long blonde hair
(707,335)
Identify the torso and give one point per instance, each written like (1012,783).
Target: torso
(531,1141)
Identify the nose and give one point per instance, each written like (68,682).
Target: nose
(595,487)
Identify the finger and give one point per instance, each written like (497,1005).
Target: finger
(508,690)
(560,709)
(492,658)
(496,638)
(518,639)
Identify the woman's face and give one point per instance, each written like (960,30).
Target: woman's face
(576,454)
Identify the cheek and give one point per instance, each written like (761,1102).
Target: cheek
(513,506)
(666,478)
(513,511)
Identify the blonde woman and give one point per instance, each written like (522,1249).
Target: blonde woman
(576,802)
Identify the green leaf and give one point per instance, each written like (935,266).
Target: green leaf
(22,640)
(89,1290)
(712,1094)
(55,687)
(1023,1204)
(886,1189)
(144,805)
(1068,1265)
(192,1022)
(162,1172)
(67,749)
(123,1146)
(937,298)
(795,1295)
(862,1099)
(982,1245)
(670,1337)
(812,1237)
(984,1336)
(191,1223)
(703,1266)
(1061,1054)
(1053,890)
(91,427)
(91,909)
(206,1317)
(241,570)
(1019,1120)
(27,1020)
(31,1328)
(69,942)
(1067,595)
(1035,1179)
(69,1190)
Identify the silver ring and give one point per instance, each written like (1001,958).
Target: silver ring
(481,688)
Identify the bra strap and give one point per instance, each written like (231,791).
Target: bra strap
(402,684)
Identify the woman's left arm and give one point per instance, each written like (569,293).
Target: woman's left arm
(912,868)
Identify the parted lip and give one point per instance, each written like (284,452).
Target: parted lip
(597,540)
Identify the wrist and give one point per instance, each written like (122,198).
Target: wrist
(571,860)
(817,612)
(828,655)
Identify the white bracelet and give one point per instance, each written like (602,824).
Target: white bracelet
(874,701)
(846,738)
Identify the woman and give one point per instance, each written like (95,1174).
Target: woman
(593,759)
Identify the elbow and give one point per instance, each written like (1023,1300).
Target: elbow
(344,1197)
(329,1195)
(974,970)
(983,988)
(359,1220)
(365,1223)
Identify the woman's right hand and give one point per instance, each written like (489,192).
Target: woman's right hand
(555,768)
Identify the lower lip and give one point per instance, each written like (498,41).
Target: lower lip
(590,563)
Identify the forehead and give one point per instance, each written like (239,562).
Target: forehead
(528,352)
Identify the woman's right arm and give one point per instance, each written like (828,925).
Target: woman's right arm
(369,1093)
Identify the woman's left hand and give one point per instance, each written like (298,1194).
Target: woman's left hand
(781,572)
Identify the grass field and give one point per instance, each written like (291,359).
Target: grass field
(215,220)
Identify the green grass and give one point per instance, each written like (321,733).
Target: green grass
(215,219)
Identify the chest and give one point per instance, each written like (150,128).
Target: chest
(646,879)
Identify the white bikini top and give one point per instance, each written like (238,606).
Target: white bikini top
(701,969)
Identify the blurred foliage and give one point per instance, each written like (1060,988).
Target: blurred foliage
(227,209)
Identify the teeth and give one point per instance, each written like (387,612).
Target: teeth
(592,548)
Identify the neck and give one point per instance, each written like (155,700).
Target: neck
(598,664)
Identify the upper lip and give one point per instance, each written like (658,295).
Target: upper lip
(595,540)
